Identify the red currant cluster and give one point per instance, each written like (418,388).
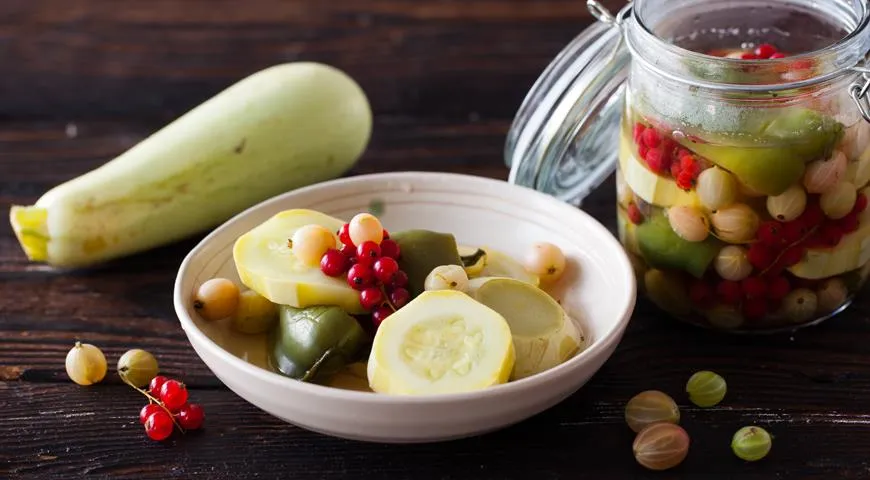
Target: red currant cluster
(763,52)
(168,408)
(664,156)
(373,270)
(778,245)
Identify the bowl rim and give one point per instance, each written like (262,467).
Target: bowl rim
(599,347)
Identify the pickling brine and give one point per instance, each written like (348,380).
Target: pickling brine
(741,141)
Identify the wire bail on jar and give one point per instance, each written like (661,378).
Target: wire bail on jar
(858,91)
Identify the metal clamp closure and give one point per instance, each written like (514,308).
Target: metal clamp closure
(858,91)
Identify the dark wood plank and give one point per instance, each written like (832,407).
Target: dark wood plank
(445,59)
(66,430)
(85,81)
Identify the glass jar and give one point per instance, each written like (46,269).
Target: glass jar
(740,135)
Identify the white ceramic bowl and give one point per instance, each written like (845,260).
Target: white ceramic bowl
(598,289)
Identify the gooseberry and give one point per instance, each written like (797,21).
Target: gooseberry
(661,446)
(546,261)
(788,205)
(216,298)
(751,443)
(800,305)
(838,201)
(365,227)
(137,367)
(706,388)
(688,223)
(732,264)
(86,364)
(831,295)
(823,175)
(716,188)
(310,242)
(446,277)
(735,224)
(649,407)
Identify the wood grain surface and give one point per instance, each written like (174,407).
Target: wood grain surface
(83,80)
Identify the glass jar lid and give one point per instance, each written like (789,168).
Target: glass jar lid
(563,139)
(585,82)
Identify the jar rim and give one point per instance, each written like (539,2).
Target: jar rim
(852,41)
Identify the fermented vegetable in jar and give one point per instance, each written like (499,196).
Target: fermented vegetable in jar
(742,151)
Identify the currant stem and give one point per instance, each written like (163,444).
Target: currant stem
(151,399)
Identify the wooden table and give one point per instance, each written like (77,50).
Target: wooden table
(83,80)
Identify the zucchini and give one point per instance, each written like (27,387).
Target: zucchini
(284,127)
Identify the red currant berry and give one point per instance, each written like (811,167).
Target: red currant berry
(749,56)
(156,383)
(386,235)
(634,214)
(385,268)
(777,55)
(811,217)
(380,314)
(849,223)
(348,251)
(676,169)
(371,297)
(753,287)
(792,256)
(173,395)
(399,297)
(729,292)
(344,235)
(651,138)
(778,288)
(791,232)
(755,308)
(687,160)
(759,256)
(771,233)
(701,294)
(400,279)
(765,50)
(158,425)
(656,162)
(860,203)
(684,180)
(191,416)
(831,234)
(333,263)
(637,132)
(360,276)
(148,410)
(368,252)
(642,151)
(390,249)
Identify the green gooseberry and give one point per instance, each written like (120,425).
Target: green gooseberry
(706,388)
(751,443)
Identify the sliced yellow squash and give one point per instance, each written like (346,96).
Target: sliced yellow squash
(443,341)
(501,265)
(652,188)
(851,253)
(267,265)
(543,334)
